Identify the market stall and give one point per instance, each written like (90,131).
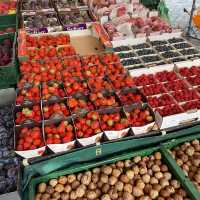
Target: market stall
(103,92)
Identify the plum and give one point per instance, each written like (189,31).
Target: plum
(5,51)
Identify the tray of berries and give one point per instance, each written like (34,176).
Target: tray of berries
(29,140)
(114,123)
(60,135)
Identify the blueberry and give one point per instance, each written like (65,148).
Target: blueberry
(170,54)
(149,59)
(141,46)
(122,48)
(163,48)
(175,40)
(127,55)
(182,45)
(145,52)
(158,42)
(189,51)
(130,61)
(177,59)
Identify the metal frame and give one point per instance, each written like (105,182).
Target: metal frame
(190,26)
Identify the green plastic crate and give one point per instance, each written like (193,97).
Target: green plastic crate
(8,20)
(79,168)
(9,73)
(171,161)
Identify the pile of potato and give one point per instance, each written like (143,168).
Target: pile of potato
(137,179)
(188,158)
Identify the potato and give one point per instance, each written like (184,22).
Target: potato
(128,188)
(106,170)
(67,188)
(64,196)
(113,194)
(80,191)
(92,186)
(146,178)
(45,196)
(95,178)
(38,196)
(116,173)
(137,192)
(42,187)
(119,186)
(120,164)
(104,178)
(62,180)
(105,197)
(130,174)
(86,178)
(124,178)
(154,194)
(56,195)
(96,170)
(73,195)
(128,196)
(49,189)
(91,195)
(75,184)
(105,188)
(137,159)
(59,188)
(112,180)
(53,182)
(71,178)
(128,163)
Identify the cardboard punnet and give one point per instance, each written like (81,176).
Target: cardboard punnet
(141,129)
(177,119)
(29,153)
(56,148)
(115,134)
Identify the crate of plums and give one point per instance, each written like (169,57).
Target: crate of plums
(8,64)
(9,164)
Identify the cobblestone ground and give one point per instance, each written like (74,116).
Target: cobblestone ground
(177,16)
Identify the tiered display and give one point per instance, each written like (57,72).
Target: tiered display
(99,75)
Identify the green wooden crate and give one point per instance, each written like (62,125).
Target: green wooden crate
(79,168)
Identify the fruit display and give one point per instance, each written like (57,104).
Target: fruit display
(6,130)
(175,85)
(187,72)
(99,84)
(170,54)
(94,71)
(114,121)
(145,52)
(123,55)
(29,139)
(166,76)
(71,62)
(66,5)
(6,51)
(131,96)
(36,5)
(8,7)
(169,110)
(187,157)
(27,114)
(55,110)
(47,40)
(91,60)
(72,86)
(31,94)
(80,103)
(136,25)
(145,79)
(158,42)
(121,82)
(190,51)
(182,45)
(153,89)
(141,46)
(87,125)
(115,69)
(9,174)
(122,48)
(163,48)
(159,101)
(75,17)
(110,58)
(104,99)
(42,22)
(52,89)
(176,40)
(60,133)
(131,62)
(151,59)
(138,178)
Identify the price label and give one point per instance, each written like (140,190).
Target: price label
(72,27)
